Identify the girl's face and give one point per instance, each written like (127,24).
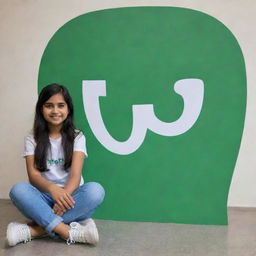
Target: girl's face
(55,110)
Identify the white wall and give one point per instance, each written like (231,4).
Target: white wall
(27,25)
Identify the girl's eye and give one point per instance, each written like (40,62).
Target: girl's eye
(61,106)
(48,105)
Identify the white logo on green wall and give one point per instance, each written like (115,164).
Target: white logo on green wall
(160,93)
(144,118)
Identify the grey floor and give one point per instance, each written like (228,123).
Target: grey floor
(139,239)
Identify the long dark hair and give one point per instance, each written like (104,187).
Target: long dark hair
(41,131)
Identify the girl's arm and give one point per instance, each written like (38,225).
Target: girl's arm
(59,195)
(75,172)
(35,177)
(74,177)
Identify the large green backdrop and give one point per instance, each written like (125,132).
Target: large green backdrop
(141,52)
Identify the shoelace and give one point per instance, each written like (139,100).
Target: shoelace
(70,241)
(75,235)
(27,240)
(25,232)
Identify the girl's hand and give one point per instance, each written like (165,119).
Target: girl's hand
(57,210)
(62,198)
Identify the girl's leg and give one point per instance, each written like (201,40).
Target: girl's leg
(87,198)
(36,230)
(35,205)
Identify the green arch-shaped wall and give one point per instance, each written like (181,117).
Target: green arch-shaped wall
(141,52)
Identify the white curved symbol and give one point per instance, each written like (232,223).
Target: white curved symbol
(191,90)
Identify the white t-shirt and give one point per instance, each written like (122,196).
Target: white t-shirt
(55,158)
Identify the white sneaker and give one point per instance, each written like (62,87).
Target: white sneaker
(18,233)
(87,233)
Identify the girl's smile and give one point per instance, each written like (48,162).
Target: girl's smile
(55,110)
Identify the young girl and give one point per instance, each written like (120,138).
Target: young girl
(56,199)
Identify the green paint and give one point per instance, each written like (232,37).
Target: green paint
(141,52)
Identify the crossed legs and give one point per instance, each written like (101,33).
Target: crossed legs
(37,206)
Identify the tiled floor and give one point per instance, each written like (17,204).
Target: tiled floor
(139,239)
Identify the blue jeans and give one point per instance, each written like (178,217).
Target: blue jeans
(37,205)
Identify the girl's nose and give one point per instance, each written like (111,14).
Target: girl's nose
(55,109)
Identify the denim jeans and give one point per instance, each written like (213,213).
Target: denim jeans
(37,205)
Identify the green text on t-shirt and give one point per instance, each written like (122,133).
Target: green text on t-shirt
(55,161)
